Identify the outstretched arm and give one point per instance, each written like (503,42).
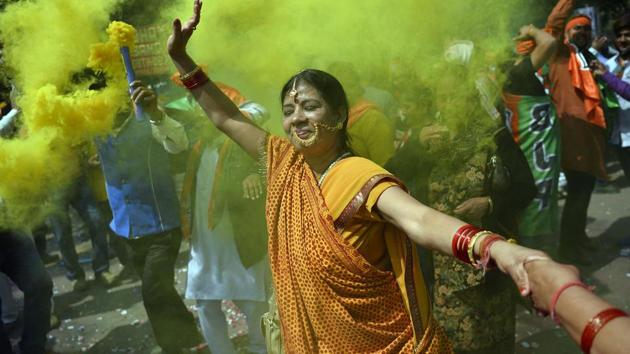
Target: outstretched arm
(434,230)
(575,306)
(217,106)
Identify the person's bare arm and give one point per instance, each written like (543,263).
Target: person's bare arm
(434,230)
(217,106)
(558,17)
(576,306)
(546,44)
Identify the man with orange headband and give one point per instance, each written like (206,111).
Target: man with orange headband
(576,96)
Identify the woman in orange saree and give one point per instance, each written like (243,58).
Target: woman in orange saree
(340,228)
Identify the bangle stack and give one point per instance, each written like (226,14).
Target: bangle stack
(595,324)
(461,241)
(194,79)
(464,241)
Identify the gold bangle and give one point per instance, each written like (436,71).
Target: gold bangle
(188,75)
(512,241)
(471,245)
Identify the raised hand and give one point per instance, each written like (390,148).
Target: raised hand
(181,34)
(526,32)
(146,97)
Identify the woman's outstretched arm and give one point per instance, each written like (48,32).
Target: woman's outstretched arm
(218,107)
(434,230)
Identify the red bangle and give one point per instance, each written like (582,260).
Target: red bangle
(556,296)
(484,251)
(460,241)
(595,324)
(195,80)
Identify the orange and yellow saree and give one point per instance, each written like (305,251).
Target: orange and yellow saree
(345,280)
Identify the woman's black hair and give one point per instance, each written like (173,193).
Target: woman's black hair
(331,91)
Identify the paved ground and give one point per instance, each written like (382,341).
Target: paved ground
(113,320)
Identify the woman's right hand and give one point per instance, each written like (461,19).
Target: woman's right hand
(545,277)
(180,36)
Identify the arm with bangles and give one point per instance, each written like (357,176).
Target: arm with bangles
(588,319)
(440,232)
(221,111)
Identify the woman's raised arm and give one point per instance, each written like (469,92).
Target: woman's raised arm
(218,107)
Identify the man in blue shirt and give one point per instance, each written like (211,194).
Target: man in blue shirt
(145,207)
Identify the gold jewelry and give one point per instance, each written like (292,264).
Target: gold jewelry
(306,142)
(190,74)
(512,241)
(332,128)
(471,244)
(321,178)
(293,93)
(490,205)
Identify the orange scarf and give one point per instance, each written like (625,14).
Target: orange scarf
(358,110)
(330,299)
(586,87)
(582,77)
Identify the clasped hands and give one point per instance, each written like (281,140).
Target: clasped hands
(534,272)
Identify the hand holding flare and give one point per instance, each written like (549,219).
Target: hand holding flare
(124,35)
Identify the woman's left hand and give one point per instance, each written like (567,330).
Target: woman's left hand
(473,208)
(511,259)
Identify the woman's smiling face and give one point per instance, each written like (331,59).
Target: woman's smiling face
(304,111)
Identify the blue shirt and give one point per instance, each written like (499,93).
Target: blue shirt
(139,185)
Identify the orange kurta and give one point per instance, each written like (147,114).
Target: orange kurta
(350,287)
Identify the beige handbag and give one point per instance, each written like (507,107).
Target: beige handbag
(270,323)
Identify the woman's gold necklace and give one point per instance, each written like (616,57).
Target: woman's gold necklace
(342,156)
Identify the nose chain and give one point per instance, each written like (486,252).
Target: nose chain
(321,178)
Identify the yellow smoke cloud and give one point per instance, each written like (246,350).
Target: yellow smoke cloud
(261,43)
(44,47)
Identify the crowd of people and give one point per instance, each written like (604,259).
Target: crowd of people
(384,221)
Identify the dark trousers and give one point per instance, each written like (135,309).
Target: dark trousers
(82,200)
(623,154)
(154,258)
(580,186)
(116,243)
(20,261)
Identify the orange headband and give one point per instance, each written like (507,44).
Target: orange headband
(581,20)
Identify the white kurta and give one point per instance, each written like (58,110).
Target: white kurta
(215,271)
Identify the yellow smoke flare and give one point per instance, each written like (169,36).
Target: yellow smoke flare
(44,48)
(122,34)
